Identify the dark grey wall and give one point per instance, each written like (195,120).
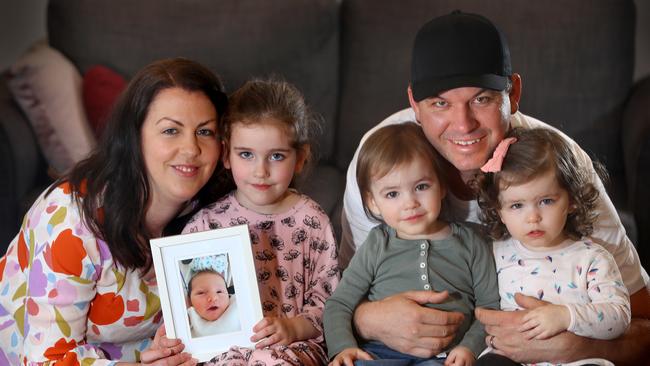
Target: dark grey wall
(23,21)
(642,65)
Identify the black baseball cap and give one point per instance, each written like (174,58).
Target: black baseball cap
(458,50)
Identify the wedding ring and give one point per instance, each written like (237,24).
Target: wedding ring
(492,342)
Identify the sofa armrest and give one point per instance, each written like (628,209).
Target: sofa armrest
(24,169)
(636,155)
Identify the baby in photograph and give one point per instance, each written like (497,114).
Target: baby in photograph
(212,309)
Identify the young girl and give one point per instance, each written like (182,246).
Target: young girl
(213,309)
(538,204)
(402,182)
(266,143)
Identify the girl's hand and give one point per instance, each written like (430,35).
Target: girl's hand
(460,356)
(282,331)
(348,356)
(546,321)
(165,351)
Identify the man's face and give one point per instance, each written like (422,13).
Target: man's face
(464,124)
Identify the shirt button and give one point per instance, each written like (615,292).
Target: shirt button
(422,253)
(423,245)
(424,277)
(426,287)
(422,265)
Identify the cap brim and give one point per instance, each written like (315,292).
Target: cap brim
(433,87)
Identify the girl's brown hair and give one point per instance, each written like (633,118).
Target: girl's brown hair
(535,152)
(392,146)
(275,99)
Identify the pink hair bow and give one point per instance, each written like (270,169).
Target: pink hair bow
(494,164)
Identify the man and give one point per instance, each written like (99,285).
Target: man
(465,96)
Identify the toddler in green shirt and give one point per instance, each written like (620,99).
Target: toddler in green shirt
(402,183)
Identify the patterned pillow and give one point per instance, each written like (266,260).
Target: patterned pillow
(47,87)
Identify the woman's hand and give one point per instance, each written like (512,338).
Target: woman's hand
(166,352)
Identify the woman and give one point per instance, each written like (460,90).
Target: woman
(77,282)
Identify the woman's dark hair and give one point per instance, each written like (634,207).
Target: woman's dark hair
(392,146)
(535,152)
(279,100)
(111,186)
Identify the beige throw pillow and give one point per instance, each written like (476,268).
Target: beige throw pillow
(47,86)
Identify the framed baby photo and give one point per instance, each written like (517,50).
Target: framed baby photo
(208,289)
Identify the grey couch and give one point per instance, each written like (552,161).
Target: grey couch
(351,59)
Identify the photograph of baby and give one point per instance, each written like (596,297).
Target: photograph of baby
(211,299)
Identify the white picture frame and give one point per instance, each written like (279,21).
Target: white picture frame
(171,256)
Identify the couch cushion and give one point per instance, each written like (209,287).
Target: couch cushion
(48,89)
(324,184)
(101,88)
(237,39)
(575,58)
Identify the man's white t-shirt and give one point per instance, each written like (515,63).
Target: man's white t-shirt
(608,230)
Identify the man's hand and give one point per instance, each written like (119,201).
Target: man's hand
(546,321)
(508,341)
(403,324)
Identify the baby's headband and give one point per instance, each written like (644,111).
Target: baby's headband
(217,263)
(496,161)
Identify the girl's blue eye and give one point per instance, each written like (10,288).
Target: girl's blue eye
(516,206)
(422,187)
(391,194)
(277,157)
(246,155)
(547,201)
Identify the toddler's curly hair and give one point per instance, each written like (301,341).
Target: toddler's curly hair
(535,152)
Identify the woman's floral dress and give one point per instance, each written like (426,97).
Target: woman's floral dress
(63,298)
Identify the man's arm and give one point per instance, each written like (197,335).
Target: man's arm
(632,348)
(403,324)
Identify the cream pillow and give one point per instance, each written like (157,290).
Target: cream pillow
(48,88)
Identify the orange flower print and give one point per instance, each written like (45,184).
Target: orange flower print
(23,251)
(3,262)
(69,360)
(67,253)
(106,308)
(60,348)
(67,188)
